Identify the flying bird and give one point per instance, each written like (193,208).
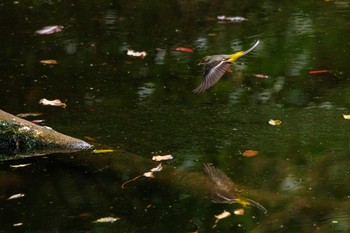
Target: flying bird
(215,67)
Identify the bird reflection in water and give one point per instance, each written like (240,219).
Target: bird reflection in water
(225,191)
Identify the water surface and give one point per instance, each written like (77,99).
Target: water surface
(146,105)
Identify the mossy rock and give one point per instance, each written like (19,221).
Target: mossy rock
(21,138)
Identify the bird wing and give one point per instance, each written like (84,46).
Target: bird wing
(221,180)
(213,72)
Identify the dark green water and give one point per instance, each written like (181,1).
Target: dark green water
(146,105)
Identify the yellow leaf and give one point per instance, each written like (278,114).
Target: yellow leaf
(103,151)
(346,116)
(275,122)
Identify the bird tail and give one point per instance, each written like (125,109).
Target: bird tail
(245,201)
(251,48)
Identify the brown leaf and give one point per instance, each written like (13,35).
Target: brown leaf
(89,138)
(48,62)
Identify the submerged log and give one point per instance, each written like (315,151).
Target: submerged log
(21,138)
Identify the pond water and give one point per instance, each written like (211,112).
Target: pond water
(299,74)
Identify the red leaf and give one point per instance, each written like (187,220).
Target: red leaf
(183,49)
(319,71)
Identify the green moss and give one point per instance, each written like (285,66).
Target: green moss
(13,139)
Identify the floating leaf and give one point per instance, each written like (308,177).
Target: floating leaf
(260,76)
(136,54)
(319,71)
(250,153)
(89,138)
(239,212)
(48,62)
(106,220)
(20,165)
(223,215)
(275,122)
(37,121)
(158,168)
(23,115)
(102,151)
(346,116)
(49,30)
(15,196)
(162,157)
(55,102)
(235,19)
(149,174)
(183,49)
